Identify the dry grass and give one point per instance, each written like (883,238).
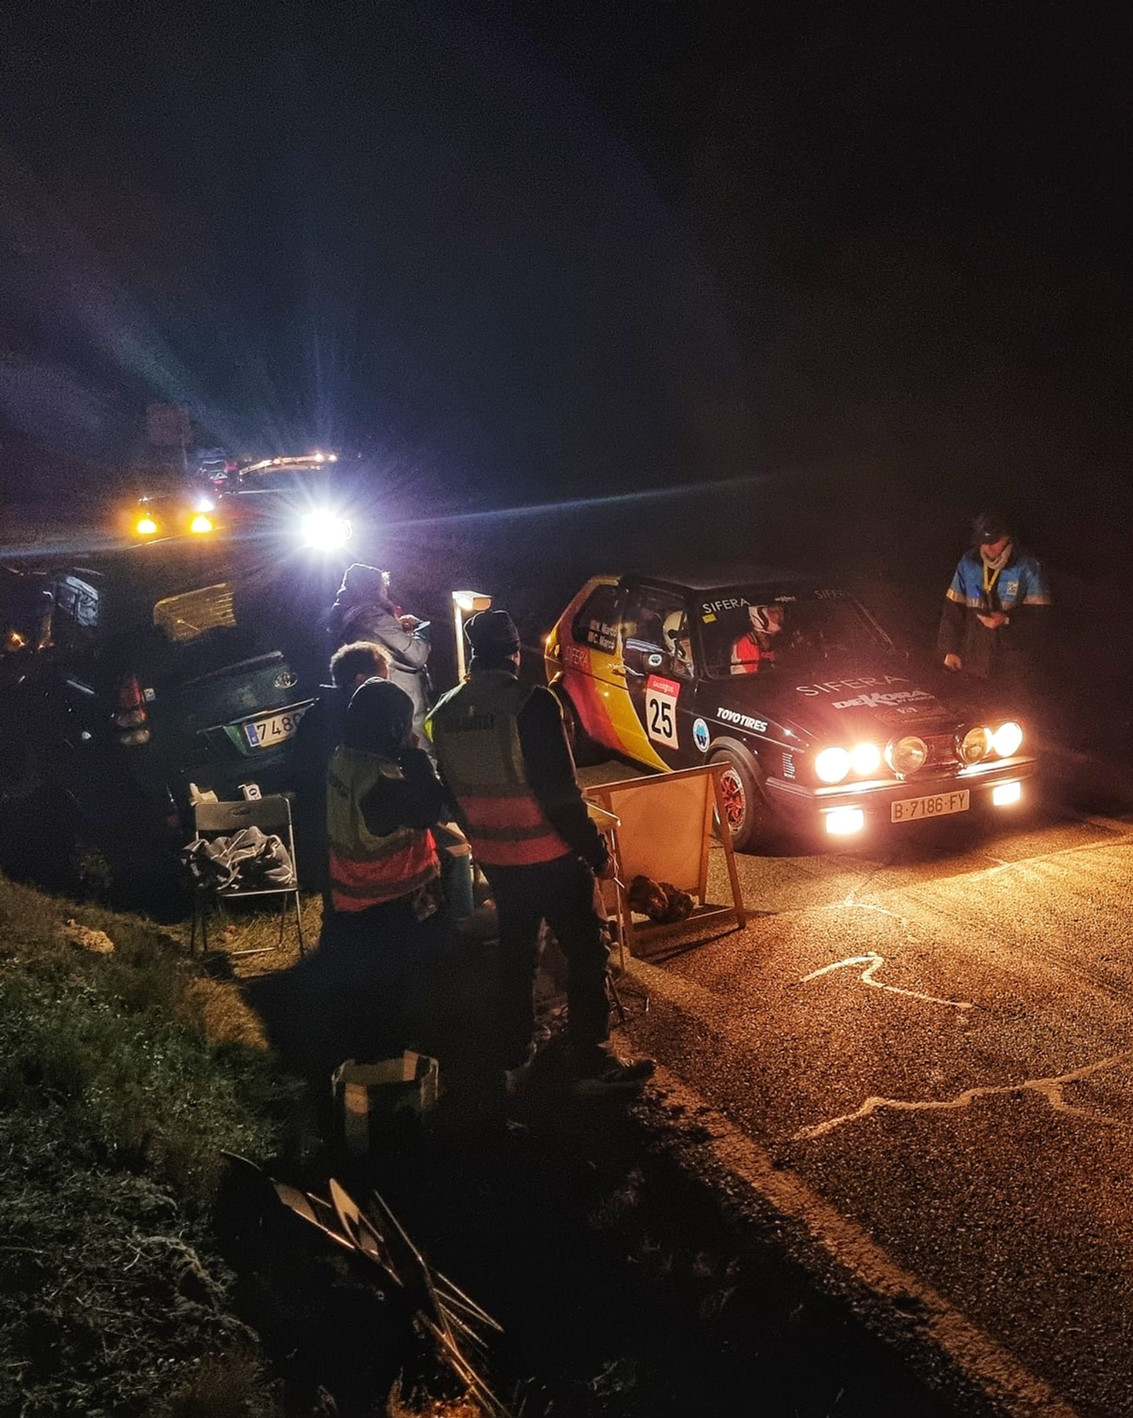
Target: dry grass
(123,1078)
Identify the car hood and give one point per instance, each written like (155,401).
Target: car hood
(829,700)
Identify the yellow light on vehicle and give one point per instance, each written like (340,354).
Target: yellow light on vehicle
(145,526)
(13,640)
(975,744)
(844,821)
(832,765)
(1007,739)
(200,523)
(907,754)
(1004,794)
(865,758)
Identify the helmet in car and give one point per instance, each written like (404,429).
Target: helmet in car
(766,619)
(675,628)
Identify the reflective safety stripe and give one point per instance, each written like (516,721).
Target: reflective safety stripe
(367,869)
(477,739)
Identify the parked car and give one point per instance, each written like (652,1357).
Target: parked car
(822,723)
(124,682)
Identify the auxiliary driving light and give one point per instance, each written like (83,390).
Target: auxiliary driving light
(145,526)
(975,745)
(906,755)
(1004,794)
(844,821)
(200,524)
(324,531)
(1007,738)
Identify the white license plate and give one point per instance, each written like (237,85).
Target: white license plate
(275,728)
(935,805)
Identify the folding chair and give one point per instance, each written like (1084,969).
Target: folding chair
(272,815)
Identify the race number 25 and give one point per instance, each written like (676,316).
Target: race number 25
(661,710)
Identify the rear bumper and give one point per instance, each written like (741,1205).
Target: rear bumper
(809,808)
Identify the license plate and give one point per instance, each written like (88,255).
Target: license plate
(935,805)
(274,728)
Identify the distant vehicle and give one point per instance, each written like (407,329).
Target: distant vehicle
(126,681)
(292,501)
(827,728)
(214,466)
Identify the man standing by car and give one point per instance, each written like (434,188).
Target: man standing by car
(503,755)
(995,608)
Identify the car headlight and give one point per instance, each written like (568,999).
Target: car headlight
(865,759)
(325,531)
(200,524)
(145,526)
(832,765)
(1007,739)
(906,755)
(975,745)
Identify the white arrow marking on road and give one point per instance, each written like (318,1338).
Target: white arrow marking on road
(875,962)
(1048,1088)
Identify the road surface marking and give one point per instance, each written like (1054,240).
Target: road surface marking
(1048,1088)
(875,962)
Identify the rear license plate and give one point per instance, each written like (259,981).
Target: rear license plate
(273,728)
(935,805)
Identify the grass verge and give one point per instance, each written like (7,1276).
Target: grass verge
(124,1074)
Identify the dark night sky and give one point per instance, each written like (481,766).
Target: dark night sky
(555,250)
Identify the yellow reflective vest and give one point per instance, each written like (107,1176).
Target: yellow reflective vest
(476,737)
(366,869)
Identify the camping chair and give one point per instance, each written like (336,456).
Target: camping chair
(272,815)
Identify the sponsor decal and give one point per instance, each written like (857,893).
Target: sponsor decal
(708,609)
(745,721)
(701,735)
(788,765)
(835,686)
(661,710)
(575,657)
(882,701)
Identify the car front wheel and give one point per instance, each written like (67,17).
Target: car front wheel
(746,811)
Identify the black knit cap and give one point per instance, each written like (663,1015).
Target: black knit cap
(492,633)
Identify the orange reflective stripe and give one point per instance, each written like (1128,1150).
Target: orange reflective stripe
(360,882)
(518,811)
(523,852)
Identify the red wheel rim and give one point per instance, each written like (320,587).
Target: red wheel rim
(732,791)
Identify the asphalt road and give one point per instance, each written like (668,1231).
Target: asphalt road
(919,1055)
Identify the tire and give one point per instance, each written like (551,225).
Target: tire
(747,810)
(583,748)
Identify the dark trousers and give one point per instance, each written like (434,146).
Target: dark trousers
(563,893)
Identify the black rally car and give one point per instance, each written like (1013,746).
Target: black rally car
(823,723)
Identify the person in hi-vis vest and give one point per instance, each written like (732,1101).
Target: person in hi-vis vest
(503,755)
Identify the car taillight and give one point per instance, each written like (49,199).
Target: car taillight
(132,714)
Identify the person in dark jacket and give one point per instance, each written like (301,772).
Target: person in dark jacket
(503,755)
(319,734)
(996,607)
(365,610)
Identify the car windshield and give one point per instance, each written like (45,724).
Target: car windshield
(757,629)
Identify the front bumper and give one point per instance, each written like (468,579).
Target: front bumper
(811,808)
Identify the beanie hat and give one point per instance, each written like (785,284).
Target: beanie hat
(378,718)
(492,633)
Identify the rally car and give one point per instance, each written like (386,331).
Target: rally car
(823,723)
